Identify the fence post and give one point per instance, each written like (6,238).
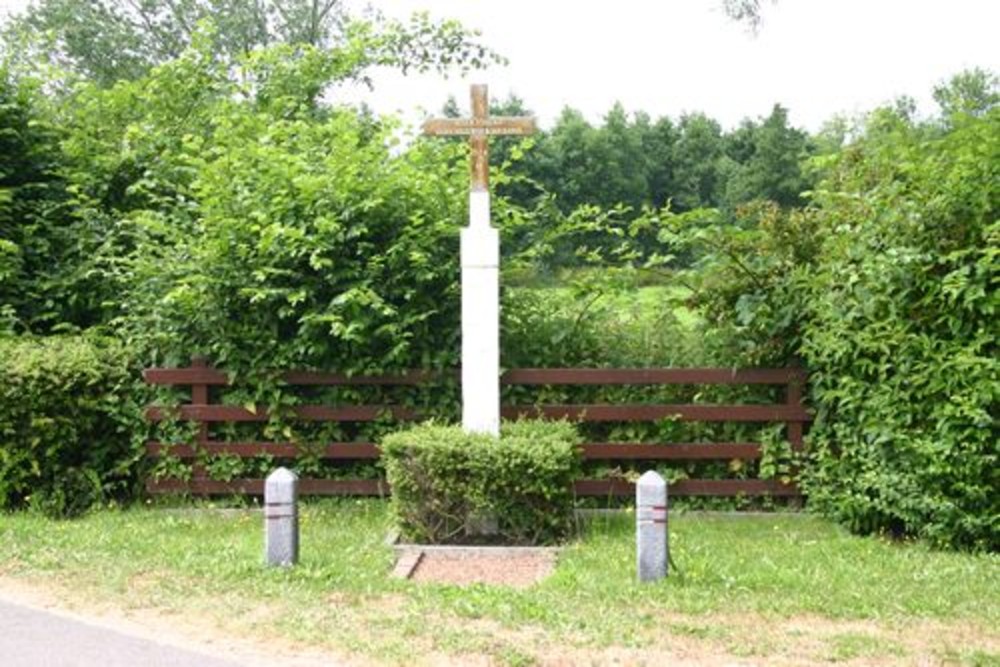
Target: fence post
(281,518)
(793,398)
(199,396)
(651,526)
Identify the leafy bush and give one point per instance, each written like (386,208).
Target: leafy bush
(315,247)
(902,334)
(261,230)
(886,288)
(445,482)
(68,411)
(40,290)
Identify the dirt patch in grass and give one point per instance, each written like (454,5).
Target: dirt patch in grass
(515,571)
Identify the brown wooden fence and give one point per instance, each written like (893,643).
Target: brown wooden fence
(200,377)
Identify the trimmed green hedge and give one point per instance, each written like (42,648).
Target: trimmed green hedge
(68,411)
(447,483)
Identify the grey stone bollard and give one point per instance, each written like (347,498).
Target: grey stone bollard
(281,518)
(651,526)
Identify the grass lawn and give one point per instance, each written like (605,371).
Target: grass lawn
(649,325)
(645,303)
(642,305)
(765,589)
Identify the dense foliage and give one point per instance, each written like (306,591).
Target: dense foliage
(36,291)
(449,486)
(240,220)
(70,423)
(887,289)
(126,220)
(106,41)
(192,188)
(636,161)
(313,247)
(904,346)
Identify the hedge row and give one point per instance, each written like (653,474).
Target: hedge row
(69,408)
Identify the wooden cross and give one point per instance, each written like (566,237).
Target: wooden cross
(479,128)
(480,259)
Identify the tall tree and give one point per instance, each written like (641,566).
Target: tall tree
(112,40)
(658,141)
(35,239)
(696,156)
(769,156)
(565,163)
(972,92)
(619,161)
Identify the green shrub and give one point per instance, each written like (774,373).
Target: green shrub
(445,482)
(902,334)
(38,250)
(68,411)
(886,289)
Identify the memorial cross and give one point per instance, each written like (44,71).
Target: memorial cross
(480,257)
(479,128)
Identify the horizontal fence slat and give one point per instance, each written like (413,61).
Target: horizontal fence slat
(252,487)
(513,376)
(641,412)
(681,451)
(369,450)
(183,376)
(334,450)
(344,487)
(235,413)
(690,487)
(355,413)
(627,376)
(311,378)
(212,376)
(255,487)
(374,487)
(586,413)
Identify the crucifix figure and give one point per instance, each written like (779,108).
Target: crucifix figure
(480,248)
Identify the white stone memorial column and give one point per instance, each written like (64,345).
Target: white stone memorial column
(480,264)
(480,319)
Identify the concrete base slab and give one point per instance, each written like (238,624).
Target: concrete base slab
(406,563)
(459,564)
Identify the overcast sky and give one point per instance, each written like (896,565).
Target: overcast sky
(816,57)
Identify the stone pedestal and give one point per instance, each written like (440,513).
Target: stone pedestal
(651,527)
(480,319)
(281,518)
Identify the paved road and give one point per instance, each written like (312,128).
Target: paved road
(34,638)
